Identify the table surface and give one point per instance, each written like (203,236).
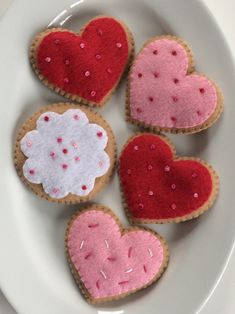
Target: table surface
(222,300)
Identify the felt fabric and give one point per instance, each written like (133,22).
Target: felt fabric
(65,153)
(161,92)
(108,262)
(88,65)
(156,186)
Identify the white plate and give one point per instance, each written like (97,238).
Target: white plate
(33,269)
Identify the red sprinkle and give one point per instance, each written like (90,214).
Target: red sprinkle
(65,151)
(156,74)
(31,171)
(99,134)
(93,225)
(139,110)
(76,117)
(46,118)
(155,52)
(84,187)
(97,284)
(111,259)
(88,255)
(176,81)
(140,74)
(174,53)
(145,269)
(59,140)
(173,119)
(150,98)
(123,282)
(202,90)
(174,98)
(198,112)
(64,166)
(129,252)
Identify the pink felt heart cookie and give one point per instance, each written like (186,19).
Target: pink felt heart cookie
(84,67)
(108,261)
(159,187)
(164,92)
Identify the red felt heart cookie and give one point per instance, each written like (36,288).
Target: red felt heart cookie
(85,67)
(159,187)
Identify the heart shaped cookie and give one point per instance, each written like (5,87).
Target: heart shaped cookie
(165,94)
(159,187)
(108,261)
(84,67)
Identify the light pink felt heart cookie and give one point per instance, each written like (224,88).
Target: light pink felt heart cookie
(164,92)
(108,261)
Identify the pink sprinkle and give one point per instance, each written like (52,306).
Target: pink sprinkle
(99,134)
(150,193)
(111,259)
(202,90)
(150,167)
(67,62)
(64,166)
(93,93)
(145,269)
(48,59)
(31,171)
(76,117)
(119,45)
(155,52)
(99,32)
(141,206)
(174,53)
(109,70)
(98,57)
(52,154)
(129,252)
(56,41)
(88,255)
(136,147)
(140,75)
(29,143)
(151,99)
(173,186)
(128,171)
(174,98)
(97,284)
(156,74)
(75,145)
(82,45)
(176,81)
(66,80)
(55,190)
(93,225)
(59,140)
(194,175)
(87,73)
(173,206)
(65,151)
(46,118)
(167,168)
(77,158)
(152,147)
(139,110)
(84,187)
(101,164)
(195,195)
(123,282)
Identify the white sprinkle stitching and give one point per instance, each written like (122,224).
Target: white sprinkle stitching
(81,245)
(129,270)
(150,252)
(106,243)
(103,274)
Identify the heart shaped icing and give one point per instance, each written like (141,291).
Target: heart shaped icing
(164,96)
(108,261)
(85,67)
(159,187)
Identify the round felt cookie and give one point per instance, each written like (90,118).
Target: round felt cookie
(84,67)
(164,93)
(160,187)
(65,153)
(109,261)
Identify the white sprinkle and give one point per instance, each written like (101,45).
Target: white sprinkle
(81,245)
(150,252)
(119,45)
(48,59)
(129,270)
(106,243)
(103,274)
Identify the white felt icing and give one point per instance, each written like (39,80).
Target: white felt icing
(65,153)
